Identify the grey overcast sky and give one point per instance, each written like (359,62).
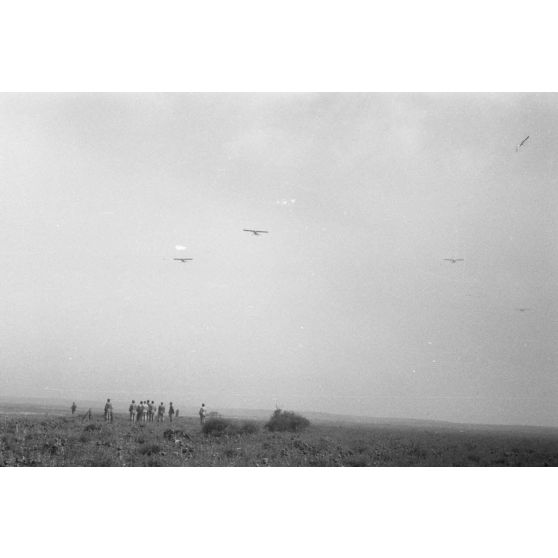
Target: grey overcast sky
(346,306)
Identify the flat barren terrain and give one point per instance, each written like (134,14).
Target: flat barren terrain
(59,440)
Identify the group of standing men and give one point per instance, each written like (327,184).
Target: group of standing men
(144,412)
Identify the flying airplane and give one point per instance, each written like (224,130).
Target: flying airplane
(183,260)
(521,144)
(254,232)
(523,309)
(454,260)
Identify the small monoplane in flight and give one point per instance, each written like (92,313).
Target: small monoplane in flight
(521,144)
(523,309)
(454,260)
(254,232)
(183,260)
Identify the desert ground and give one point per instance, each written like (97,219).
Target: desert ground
(46,438)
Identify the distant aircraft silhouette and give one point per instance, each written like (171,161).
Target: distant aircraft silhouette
(254,232)
(521,144)
(454,260)
(523,309)
(183,260)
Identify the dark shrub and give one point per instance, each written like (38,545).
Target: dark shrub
(216,426)
(286,421)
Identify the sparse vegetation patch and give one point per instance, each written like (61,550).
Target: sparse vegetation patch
(216,426)
(92,428)
(288,441)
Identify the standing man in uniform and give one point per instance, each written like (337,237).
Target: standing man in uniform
(108,411)
(161,413)
(202,414)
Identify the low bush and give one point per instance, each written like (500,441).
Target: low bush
(216,426)
(286,421)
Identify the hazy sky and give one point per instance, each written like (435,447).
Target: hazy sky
(347,306)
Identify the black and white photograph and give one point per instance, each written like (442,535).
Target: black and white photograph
(279,280)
